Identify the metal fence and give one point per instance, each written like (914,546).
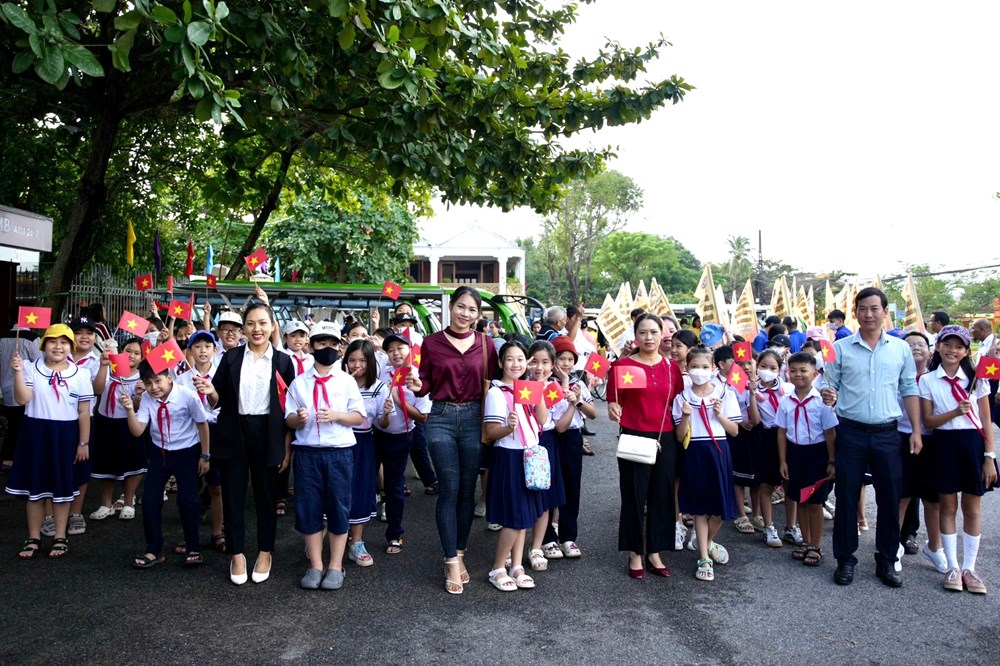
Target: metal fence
(98,284)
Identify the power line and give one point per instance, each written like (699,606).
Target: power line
(948,272)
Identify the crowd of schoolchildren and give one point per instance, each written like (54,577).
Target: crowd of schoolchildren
(745,439)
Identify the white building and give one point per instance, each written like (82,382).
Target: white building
(472,256)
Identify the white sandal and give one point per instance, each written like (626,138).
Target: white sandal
(127,513)
(538,561)
(452,586)
(502,581)
(102,513)
(521,579)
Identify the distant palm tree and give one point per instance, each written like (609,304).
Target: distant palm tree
(739,260)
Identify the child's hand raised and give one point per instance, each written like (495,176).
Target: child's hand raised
(15,363)
(512,420)
(204,386)
(105,358)
(261,295)
(126,402)
(686,409)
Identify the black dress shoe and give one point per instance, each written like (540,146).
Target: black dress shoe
(888,575)
(844,575)
(587,431)
(911,546)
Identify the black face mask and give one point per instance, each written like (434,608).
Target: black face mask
(326,355)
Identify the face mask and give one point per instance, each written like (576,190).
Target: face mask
(700,377)
(780,351)
(819,360)
(767,376)
(831,326)
(325,356)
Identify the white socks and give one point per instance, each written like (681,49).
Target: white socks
(970,549)
(950,543)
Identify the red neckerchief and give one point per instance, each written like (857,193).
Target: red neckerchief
(109,408)
(529,416)
(301,362)
(54,381)
(771,394)
(163,415)
(82,360)
(703,412)
(320,385)
(801,404)
(959,394)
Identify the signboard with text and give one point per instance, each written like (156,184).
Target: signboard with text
(25,230)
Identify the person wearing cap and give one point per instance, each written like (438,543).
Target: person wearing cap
(88,359)
(254,442)
(296,335)
(403,319)
(816,333)
(323,404)
(230,330)
(760,342)
(795,336)
(56,394)
(870,368)
(712,335)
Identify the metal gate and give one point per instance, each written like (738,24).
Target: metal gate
(98,284)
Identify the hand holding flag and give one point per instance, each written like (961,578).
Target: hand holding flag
(133,324)
(391,290)
(34,317)
(527,392)
(165,356)
(630,377)
(737,378)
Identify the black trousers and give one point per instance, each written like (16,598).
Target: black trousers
(421,458)
(249,466)
(649,488)
(14,415)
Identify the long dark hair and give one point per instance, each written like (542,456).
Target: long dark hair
(965,364)
(367,349)
(503,352)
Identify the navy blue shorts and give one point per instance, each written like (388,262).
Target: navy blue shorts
(322,486)
(806,466)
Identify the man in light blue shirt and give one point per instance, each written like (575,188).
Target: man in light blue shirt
(870,370)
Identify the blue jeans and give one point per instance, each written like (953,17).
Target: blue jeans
(453,438)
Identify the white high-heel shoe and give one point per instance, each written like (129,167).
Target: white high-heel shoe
(261,577)
(237,579)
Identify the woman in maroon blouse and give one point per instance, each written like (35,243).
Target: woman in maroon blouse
(452,372)
(646,412)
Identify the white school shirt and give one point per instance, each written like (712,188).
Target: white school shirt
(730,409)
(766,409)
(499,403)
(812,425)
(342,395)
(255,383)
(903,424)
(72,384)
(187,381)
(307,361)
(984,348)
(110,407)
(933,387)
(397,421)
(374,397)
(183,411)
(578,418)
(91,363)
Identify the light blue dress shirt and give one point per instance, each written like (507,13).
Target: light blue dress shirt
(868,380)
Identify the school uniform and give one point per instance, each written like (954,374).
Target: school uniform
(392,451)
(569,444)
(363,485)
(300,363)
(806,422)
(767,466)
(173,449)
(706,487)
(50,433)
(214,476)
(555,496)
(958,444)
(918,470)
(90,364)
(741,446)
(323,452)
(114,452)
(509,502)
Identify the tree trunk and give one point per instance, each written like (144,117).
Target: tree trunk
(270,205)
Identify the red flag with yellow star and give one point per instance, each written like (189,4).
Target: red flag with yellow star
(33,317)
(553,393)
(527,392)
(179,310)
(119,365)
(597,365)
(630,377)
(255,259)
(742,352)
(146,347)
(737,378)
(829,352)
(165,356)
(133,324)
(144,282)
(414,358)
(212,281)
(391,290)
(988,368)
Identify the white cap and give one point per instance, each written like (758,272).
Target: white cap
(325,329)
(230,317)
(294,325)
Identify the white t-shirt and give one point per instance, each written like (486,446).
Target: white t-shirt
(499,403)
(808,427)
(307,361)
(374,397)
(173,427)
(342,395)
(56,401)
(935,388)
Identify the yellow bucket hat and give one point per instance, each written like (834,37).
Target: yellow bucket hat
(58,331)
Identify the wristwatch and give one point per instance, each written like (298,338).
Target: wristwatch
(990,454)
(206,456)
(579,404)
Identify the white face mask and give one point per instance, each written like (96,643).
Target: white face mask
(699,376)
(832,326)
(767,376)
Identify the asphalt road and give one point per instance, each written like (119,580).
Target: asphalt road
(763,608)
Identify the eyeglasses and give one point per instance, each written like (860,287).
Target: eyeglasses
(918,345)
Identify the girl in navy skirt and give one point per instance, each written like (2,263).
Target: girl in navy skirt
(116,455)
(513,428)
(952,401)
(767,472)
(740,446)
(57,396)
(359,362)
(708,412)
(541,362)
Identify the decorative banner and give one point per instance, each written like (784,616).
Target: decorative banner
(828,350)
(553,393)
(742,352)
(737,378)
(811,299)
(988,368)
(391,290)
(170,284)
(629,377)
(780,305)
(255,259)
(179,310)
(597,365)
(144,282)
(34,317)
(189,270)
(707,308)
(623,301)
(745,322)
(119,364)
(133,324)
(641,299)
(831,300)
(658,302)
(130,244)
(614,326)
(165,356)
(913,320)
(527,392)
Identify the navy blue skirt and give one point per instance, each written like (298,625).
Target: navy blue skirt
(766,464)
(958,462)
(43,462)
(363,490)
(114,452)
(806,466)
(707,485)
(509,502)
(555,496)
(741,449)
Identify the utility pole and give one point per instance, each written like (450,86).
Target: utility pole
(759,288)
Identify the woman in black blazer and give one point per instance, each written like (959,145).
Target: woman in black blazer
(252,442)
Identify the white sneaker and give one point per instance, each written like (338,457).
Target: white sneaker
(102,513)
(936,558)
(771,537)
(679,533)
(793,535)
(898,564)
(692,543)
(480,511)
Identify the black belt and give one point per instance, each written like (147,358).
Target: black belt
(869,427)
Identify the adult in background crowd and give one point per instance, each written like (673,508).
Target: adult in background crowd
(835,321)
(939,319)
(23,343)
(982,332)
(760,342)
(555,324)
(797,337)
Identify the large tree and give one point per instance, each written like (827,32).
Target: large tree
(626,256)
(469,97)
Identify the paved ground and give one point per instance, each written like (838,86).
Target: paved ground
(763,608)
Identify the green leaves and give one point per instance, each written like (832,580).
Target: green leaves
(19,18)
(50,53)
(198,32)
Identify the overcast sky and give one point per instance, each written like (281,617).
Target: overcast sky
(858,136)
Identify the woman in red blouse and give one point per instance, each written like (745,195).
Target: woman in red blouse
(646,412)
(452,372)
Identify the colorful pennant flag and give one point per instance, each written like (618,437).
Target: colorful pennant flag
(255,259)
(210,260)
(623,302)
(597,365)
(553,393)
(737,378)
(165,356)
(527,392)
(179,310)
(613,324)
(658,302)
(34,317)
(282,389)
(707,307)
(629,377)
(130,244)
(745,321)
(391,290)
(144,282)
(913,319)
(641,299)
(119,364)
(133,324)
(988,368)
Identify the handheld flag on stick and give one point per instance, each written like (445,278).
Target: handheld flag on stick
(119,364)
(742,352)
(34,317)
(165,356)
(553,393)
(828,350)
(391,290)
(133,324)
(144,282)
(809,491)
(527,392)
(283,391)
(597,365)
(629,377)
(146,347)
(737,379)
(255,259)
(179,310)
(211,281)
(189,269)
(988,368)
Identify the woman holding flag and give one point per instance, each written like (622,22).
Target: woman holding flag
(641,388)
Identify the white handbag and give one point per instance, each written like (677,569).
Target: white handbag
(636,448)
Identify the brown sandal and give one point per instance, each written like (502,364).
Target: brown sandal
(813,556)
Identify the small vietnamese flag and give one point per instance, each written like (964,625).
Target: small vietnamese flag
(809,491)
(119,364)
(179,310)
(146,347)
(165,356)
(32,317)
(553,393)
(414,357)
(282,389)
(737,379)
(133,324)
(597,365)
(828,350)
(391,290)
(170,284)
(629,377)
(144,282)
(742,351)
(399,377)
(527,392)
(988,368)
(211,281)
(189,270)
(255,259)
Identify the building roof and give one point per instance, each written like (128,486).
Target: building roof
(473,239)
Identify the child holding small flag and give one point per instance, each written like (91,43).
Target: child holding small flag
(952,402)
(768,392)
(806,436)
(741,444)
(513,425)
(88,359)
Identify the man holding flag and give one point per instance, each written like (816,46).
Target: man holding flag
(21,341)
